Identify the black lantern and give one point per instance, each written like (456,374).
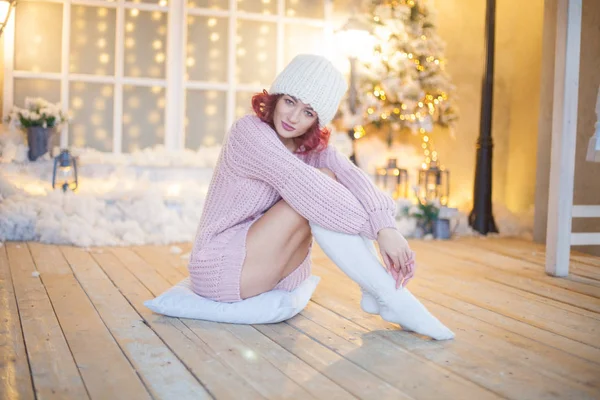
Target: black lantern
(392,179)
(434,183)
(65,171)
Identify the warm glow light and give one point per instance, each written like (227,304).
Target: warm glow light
(210,110)
(134,102)
(209,141)
(154,117)
(77,103)
(356,43)
(100,134)
(212,22)
(134,12)
(96,119)
(157,45)
(160,57)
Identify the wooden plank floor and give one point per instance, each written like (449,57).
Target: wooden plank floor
(74,327)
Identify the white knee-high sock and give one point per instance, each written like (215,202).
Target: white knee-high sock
(353,256)
(368,302)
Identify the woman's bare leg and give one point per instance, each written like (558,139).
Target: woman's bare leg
(276,244)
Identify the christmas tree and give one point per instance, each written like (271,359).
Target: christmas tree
(403,84)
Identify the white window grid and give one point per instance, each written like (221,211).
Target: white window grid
(175,83)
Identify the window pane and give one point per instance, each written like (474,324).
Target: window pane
(143,117)
(92,110)
(300,38)
(205,120)
(262,7)
(92,40)
(243,104)
(145,43)
(207,49)
(38,36)
(305,8)
(49,90)
(212,4)
(256,52)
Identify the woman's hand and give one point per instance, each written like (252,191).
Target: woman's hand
(397,255)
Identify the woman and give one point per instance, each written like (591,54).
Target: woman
(277,183)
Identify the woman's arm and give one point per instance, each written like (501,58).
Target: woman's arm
(253,150)
(380,206)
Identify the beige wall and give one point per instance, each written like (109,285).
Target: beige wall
(587,181)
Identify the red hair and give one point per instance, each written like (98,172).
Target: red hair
(314,138)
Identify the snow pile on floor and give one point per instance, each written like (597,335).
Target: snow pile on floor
(140,217)
(149,197)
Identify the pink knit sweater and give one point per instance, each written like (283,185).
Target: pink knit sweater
(254,171)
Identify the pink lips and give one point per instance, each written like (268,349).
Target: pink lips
(287,127)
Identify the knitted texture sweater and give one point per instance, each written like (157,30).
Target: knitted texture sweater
(254,171)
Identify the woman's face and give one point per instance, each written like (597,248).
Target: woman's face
(292,118)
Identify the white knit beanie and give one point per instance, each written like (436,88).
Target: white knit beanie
(313,80)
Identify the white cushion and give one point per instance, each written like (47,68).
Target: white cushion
(270,307)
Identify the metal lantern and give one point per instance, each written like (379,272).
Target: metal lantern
(392,179)
(65,171)
(434,183)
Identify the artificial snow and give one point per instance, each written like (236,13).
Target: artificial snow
(152,196)
(149,197)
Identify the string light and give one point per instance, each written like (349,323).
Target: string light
(157,15)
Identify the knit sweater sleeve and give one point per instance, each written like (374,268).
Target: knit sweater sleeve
(254,151)
(380,206)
